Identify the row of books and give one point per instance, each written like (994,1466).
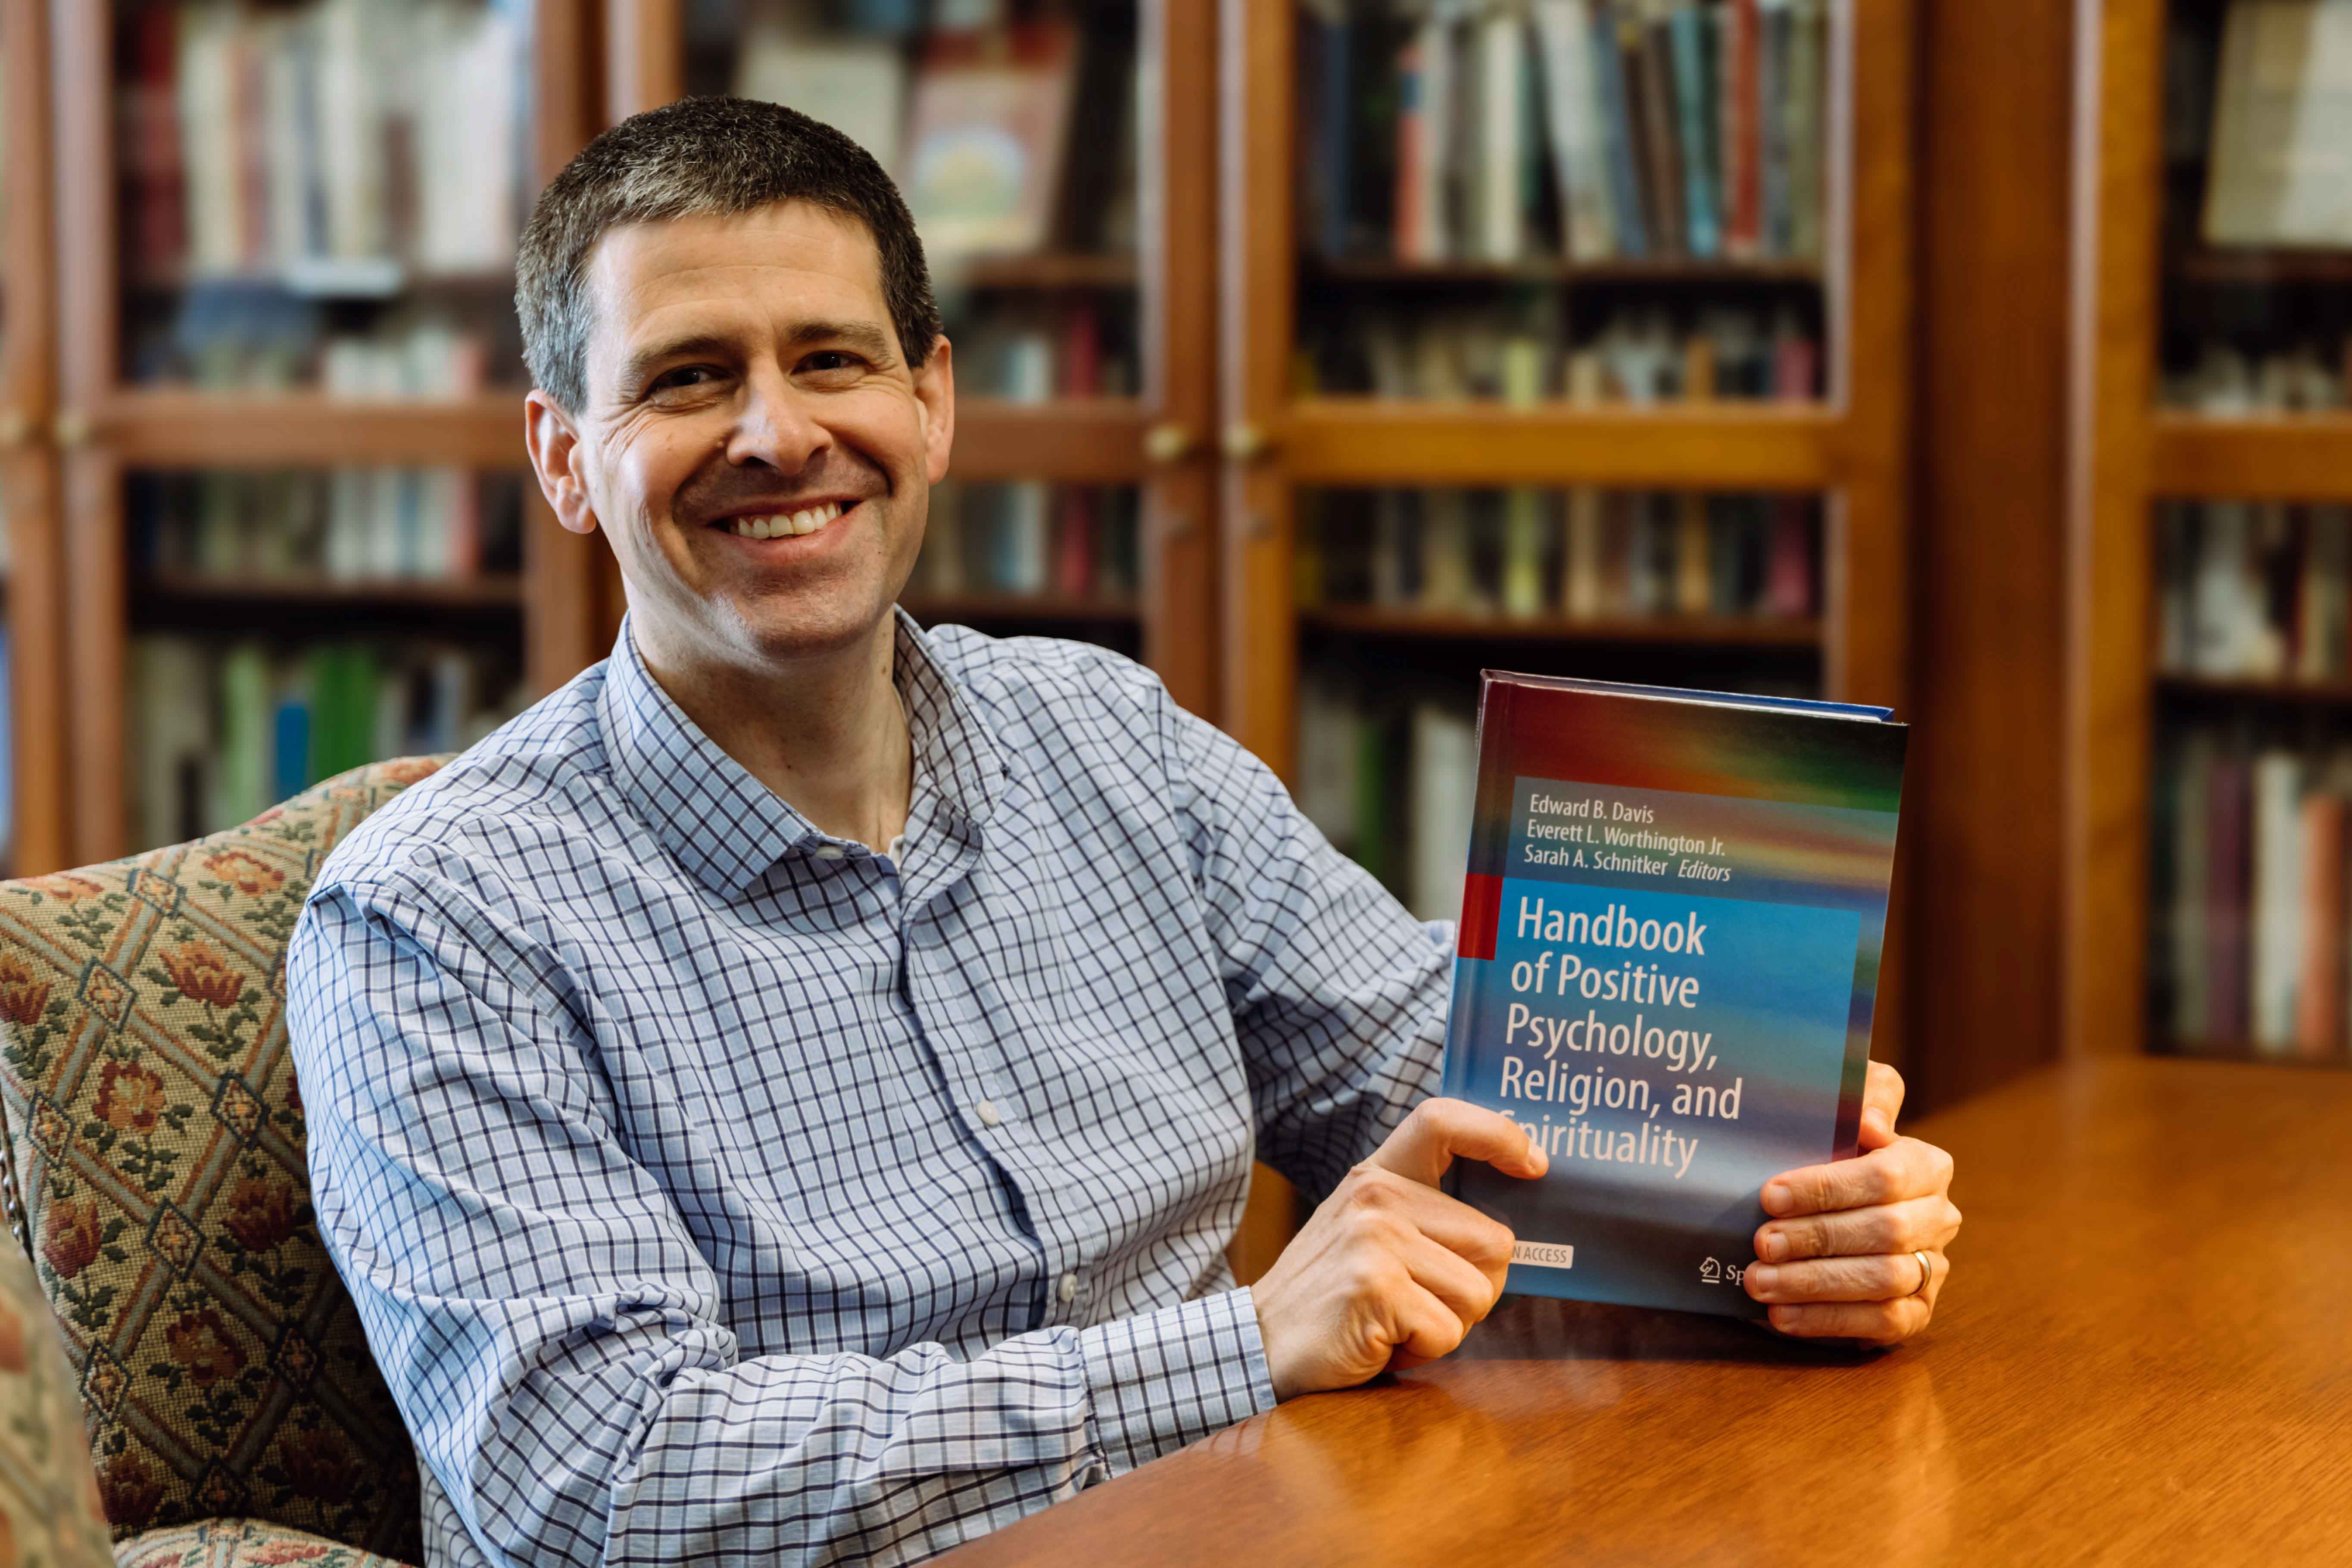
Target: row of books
(221,730)
(1637,355)
(1585,554)
(338,525)
(1070,541)
(2255,590)
(239,336)
(2226,382)
(1387,770)
(1006,135)
(1038,350)
(333,145)
(1497,131)
(2251,889)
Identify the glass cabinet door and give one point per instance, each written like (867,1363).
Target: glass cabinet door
(2255,245)
(1609,202)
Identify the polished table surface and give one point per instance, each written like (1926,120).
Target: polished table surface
(2144,1356)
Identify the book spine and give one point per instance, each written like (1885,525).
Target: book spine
(1808,71)
(1649,62)
(1613,95)
(1410,219)
(1502,44)
(1687,33)
(1572,115)
(1742,235)
(2319,980)
(2276,899)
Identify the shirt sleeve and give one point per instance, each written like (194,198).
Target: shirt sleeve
(556,1341)
(1338,995)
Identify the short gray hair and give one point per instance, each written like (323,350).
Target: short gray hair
(701,157)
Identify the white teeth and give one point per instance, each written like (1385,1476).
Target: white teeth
(778,526)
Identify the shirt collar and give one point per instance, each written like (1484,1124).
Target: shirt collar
(726,827)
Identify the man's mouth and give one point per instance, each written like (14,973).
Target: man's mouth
(783,524)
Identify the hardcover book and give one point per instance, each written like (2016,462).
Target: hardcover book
(1668,956)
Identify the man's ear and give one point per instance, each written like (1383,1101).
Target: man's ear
(935,390)
(556,455)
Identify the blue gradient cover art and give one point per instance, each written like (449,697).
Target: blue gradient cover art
(1670,988)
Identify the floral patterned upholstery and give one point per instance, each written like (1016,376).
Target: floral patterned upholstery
(155,1151)
(240,1543)
(49,1511)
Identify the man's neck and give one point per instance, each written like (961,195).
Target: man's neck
(826,732)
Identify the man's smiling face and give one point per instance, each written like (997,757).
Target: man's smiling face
(753,440)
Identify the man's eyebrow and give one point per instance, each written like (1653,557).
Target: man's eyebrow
(864,336)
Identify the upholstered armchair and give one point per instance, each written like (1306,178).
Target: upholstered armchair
(154,1180)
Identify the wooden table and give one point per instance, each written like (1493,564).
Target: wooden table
(2144,1357)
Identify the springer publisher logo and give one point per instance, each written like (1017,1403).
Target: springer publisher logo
(1543,1254)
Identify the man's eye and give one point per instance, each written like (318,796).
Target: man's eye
(831,359)
(684,376)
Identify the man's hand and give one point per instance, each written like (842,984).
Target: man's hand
(1836,1258)
(1389,1271)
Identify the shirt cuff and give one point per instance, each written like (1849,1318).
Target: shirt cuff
(1166,1378)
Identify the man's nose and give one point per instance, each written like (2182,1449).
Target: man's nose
(774,425)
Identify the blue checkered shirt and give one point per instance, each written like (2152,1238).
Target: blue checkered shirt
(716,1190)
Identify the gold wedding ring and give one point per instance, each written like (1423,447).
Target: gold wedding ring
(1926,1273)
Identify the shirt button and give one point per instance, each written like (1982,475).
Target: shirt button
(1069,1292)
(986,1111)
(830,852)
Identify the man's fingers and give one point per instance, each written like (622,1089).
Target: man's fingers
(1382,1196)
(1881,1100)
(1904,1169)
(1880,1322)
(1929,1222)
(1468,1292)
(1439,1132)
(1876,1279)
(1420,1326)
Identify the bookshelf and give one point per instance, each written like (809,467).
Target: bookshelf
(2207,699)
(250,292)
(1081,501)
(1606,374)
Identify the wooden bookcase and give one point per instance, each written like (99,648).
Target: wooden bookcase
(2127,452)
(1158,440)
(106,428)
(28,467)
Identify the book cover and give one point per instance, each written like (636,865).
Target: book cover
(1668,958)
(986,141)
(1690,39)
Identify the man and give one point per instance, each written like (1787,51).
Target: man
(788,1094)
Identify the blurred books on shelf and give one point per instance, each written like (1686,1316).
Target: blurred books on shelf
(1580,131)
(1072,544)
(347,527)
(2281,144)
(2226,382)
(2250,885)
(288,172)
(221,729)
(1525,350)
(1577,555)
